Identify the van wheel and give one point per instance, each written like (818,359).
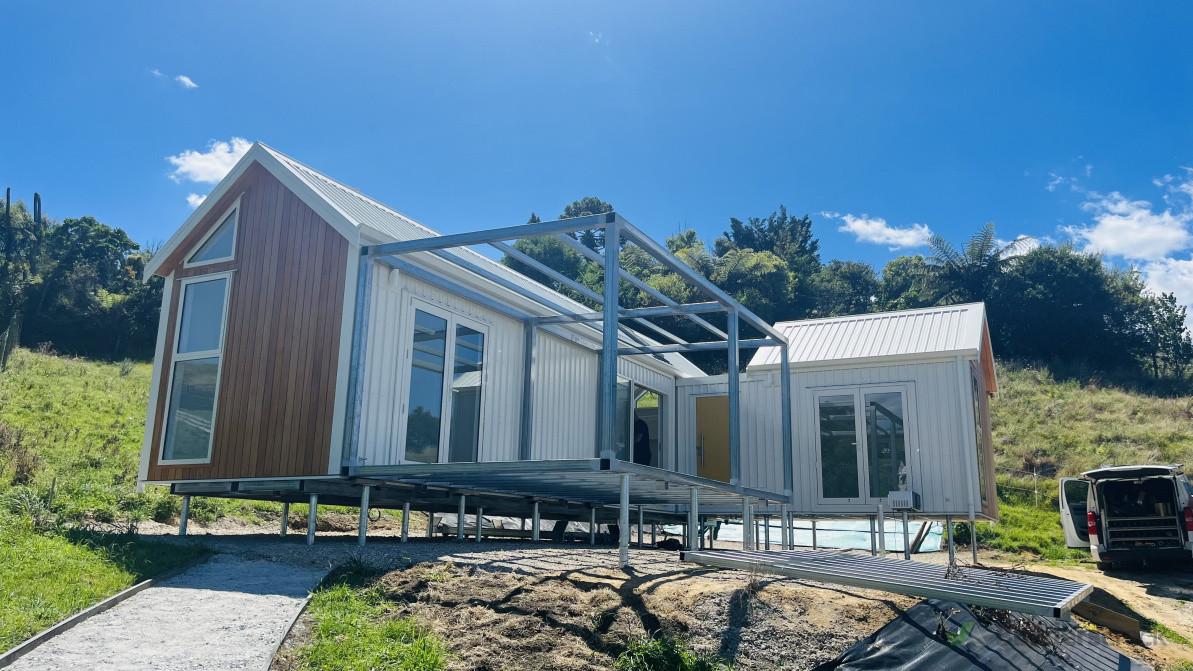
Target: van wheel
(1105,566)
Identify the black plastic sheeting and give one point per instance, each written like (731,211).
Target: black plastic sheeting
(1031,642)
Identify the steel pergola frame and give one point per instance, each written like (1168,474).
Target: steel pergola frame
(553,311)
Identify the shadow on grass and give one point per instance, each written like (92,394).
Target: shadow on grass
(141,558)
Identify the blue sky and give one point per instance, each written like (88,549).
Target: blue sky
(881,120)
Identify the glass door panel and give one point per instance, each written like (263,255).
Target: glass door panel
(467,376)
(838,447)
(886,443)
(425,405)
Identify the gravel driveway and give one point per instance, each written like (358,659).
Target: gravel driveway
(227,613)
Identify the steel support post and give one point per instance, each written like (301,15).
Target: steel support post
(526,436)
(745,524)
(362,528)
(312,518)
(405,521)
(430,525)
(480,523)
(460,515)
(785,396)
(285,518)
(592,526)
(948,529)
(734,376)
(785,537)
(973,535)
(182,516)
(873,539)
(693,519)
(623,512)
(881,531)
(535,522)
(816,542)
(766,530)
(906,537)
(608,386)
(639,527)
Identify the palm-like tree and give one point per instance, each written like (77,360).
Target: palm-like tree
(969,274)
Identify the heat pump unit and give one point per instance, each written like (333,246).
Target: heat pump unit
(903,500)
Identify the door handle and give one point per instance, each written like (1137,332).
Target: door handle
(700,451)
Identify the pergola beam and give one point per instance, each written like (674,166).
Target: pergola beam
(629,277)
(662,255)
(664,311)
(697,347)
(438,242)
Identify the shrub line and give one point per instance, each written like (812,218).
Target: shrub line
(21,649)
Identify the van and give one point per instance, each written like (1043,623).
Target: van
(1129,514)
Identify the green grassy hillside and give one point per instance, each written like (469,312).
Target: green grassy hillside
(1058,428)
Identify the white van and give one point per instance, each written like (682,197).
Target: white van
(1129,513)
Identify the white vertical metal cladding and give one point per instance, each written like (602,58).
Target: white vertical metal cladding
(565,400)
(937,452)
(387,373)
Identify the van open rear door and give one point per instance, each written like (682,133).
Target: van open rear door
(1074,497)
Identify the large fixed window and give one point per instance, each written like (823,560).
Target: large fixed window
(195,372)
(443,406)
(863,442)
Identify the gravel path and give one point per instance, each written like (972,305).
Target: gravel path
(227,613)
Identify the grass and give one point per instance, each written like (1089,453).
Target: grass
(665,653)
(355,629)
(49,575)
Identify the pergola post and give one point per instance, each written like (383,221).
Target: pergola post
(785,397)
(734,402)
(356,371)
(285,518)
(623,514)
(460,514)
(363,525)
(312,517)
(182,516)
(405,521)
(526,435)
(608,388)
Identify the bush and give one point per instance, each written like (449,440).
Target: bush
(664,653)
(30,506)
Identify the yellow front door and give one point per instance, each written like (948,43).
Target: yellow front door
(712,437)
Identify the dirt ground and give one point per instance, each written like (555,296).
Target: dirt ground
(514,605)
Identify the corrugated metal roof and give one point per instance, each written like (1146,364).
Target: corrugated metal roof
(951,329)
(392,226)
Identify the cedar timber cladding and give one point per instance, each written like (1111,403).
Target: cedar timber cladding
(277,387)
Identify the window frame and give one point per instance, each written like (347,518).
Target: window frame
(233,209)
(176,358)
(862,447)
(454,318)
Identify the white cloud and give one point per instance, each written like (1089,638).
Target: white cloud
(156,73)
(595,37)
(195,200)
(1170,276)
(208,167)
(877,231)
(1132,229)
(186,82)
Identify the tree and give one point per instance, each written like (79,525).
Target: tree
(592,239)
(903,284)
(790,240)
(844,288)
(1171,347)
(969,275)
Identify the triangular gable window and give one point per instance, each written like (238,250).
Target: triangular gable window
(220,245)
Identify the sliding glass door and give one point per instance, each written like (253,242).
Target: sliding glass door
(442,412)
(863,443)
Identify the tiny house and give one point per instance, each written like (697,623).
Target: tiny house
(314,342)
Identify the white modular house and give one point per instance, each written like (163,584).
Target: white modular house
(885,402)
(314,342)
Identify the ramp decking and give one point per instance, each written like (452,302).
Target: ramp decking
(1050,597)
